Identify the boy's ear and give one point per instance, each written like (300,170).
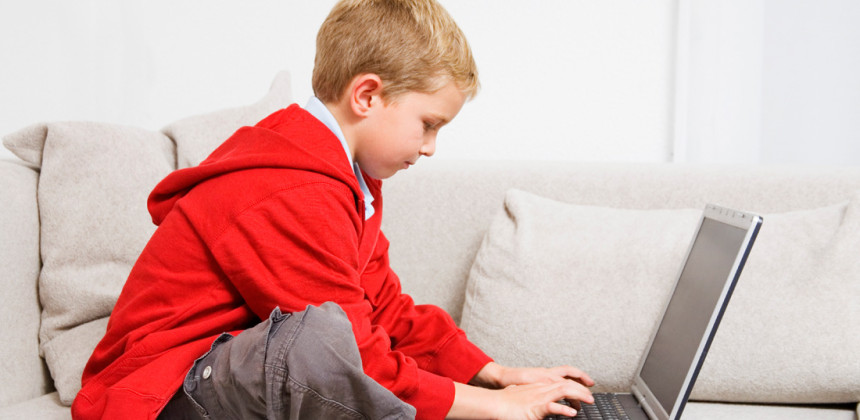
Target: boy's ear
(365,92)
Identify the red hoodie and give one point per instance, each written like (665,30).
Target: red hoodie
(274,217)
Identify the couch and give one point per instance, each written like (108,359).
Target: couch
(541,263)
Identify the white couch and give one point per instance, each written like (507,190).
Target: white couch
(541,263)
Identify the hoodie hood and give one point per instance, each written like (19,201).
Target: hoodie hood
(289,138)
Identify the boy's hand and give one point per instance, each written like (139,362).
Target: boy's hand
(494,375)
(538,400)
(521,393)
(517,402)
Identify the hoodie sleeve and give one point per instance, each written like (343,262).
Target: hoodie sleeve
(425,333)
(300,246)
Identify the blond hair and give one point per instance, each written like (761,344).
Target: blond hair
(412,45)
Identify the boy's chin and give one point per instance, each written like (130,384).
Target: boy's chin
(381,174)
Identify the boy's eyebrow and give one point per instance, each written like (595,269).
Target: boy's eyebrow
(441,119)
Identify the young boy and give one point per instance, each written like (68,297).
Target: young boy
(275,238)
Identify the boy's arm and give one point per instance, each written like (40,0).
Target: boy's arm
(425,333)
(416,331)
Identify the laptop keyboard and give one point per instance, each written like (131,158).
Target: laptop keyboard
(605,407)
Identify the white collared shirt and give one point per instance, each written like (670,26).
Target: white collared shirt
(316,108)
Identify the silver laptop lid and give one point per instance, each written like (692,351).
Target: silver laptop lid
(706,280)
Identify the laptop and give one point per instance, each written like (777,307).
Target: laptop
(677,349)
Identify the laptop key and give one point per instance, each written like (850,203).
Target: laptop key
(605,407)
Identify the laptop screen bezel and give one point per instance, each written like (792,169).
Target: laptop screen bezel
(747,221)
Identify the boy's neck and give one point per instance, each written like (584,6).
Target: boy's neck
(346,121)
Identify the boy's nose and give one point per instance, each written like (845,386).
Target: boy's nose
(429,147)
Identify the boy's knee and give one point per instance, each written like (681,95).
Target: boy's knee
(328,316)
(324,333)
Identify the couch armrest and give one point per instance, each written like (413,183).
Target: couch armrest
(25,372)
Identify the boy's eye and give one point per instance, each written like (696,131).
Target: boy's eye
(428,126)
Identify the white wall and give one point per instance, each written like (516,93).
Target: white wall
(570,80)
(770,81)
(144,63)
(718,81)
(576,80)
(811,82)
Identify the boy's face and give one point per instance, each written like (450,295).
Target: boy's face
(396,133)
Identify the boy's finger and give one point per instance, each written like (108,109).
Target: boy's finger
(572,390)
(564,410)
(576,374)
(585,380)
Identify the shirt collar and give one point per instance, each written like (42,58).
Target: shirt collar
(316,108)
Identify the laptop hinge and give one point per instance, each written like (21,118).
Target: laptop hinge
(640,398)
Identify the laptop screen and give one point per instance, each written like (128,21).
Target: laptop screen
(696,295)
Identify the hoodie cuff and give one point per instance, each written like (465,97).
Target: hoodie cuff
(433,398)
(459,359)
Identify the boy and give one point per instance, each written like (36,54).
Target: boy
(275,238)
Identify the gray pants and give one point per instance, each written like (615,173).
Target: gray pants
(304,365)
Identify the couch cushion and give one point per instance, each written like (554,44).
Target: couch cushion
(94,183)
(791,332)
(19,274)
(558,283)
(545,270)
(46,407)
(440,209)
(93,186)
(197,136)
(712,411)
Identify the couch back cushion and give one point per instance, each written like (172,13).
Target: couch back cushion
(19,271)
(93,185)
(437,213)
(92,192)
(557,283)
(197,136)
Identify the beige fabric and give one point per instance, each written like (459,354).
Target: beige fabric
(437,212)
(790,333)
(19,272)
(68,354)
(94,182)
(715,411)
(589,284)
(27,143)
(196,137)
(46,407)
(545,273)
